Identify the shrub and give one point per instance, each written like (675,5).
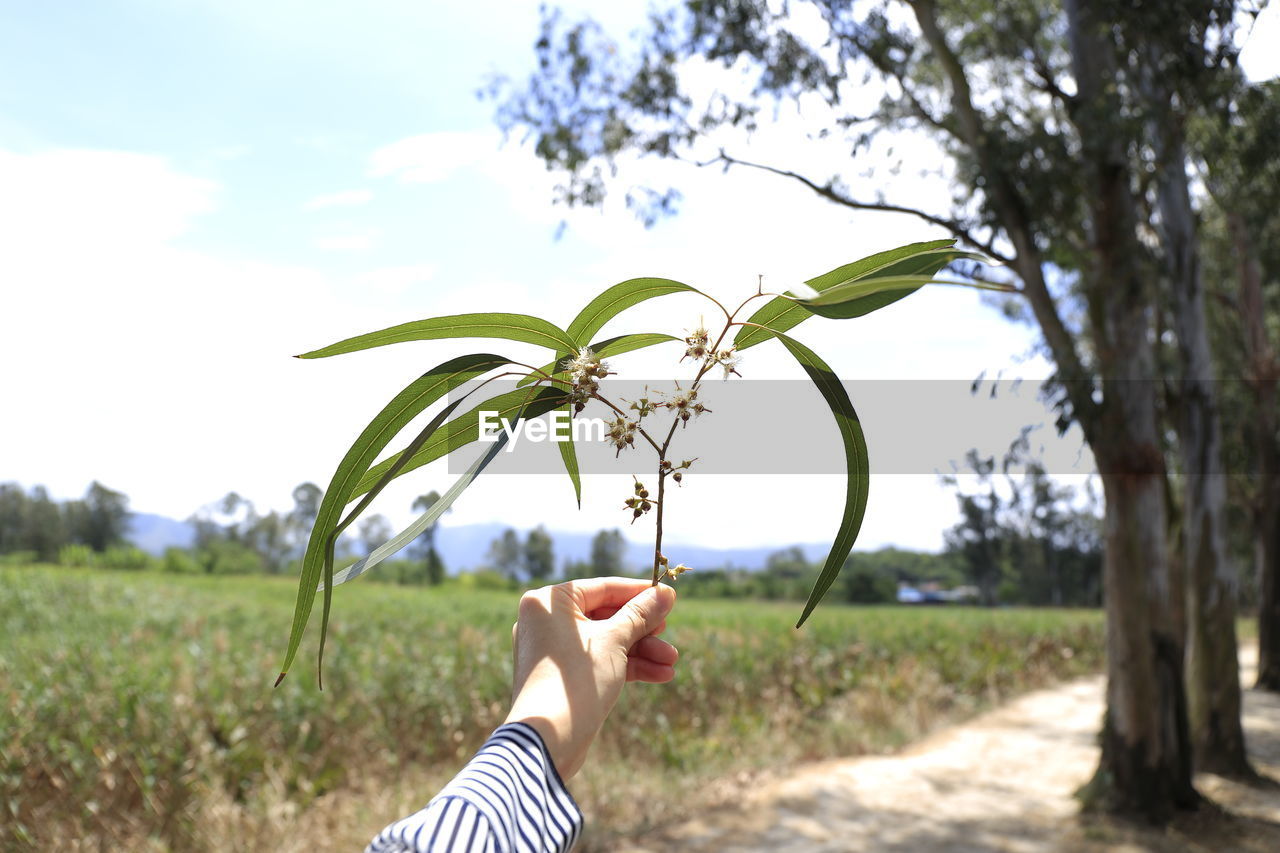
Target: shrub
(228,558)
(77,556)
(125,557)
(865,584)
(179,561)
(486,579)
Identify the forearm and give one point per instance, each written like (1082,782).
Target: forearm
(508,798)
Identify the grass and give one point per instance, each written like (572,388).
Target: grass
(136,709)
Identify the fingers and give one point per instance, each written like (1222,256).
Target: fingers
(642,615)
(658,651)
(596,593)
(604,613)
(643,669)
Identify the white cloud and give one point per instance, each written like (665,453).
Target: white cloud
(357,242)
(161,371)
(431,157)
(347,198)
(393,281)
(66,202)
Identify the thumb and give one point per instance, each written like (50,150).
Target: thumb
(642,615)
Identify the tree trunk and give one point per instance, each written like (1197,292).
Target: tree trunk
(1264,376)
(1146,756)
(1212,655)
(1145,767)
(1267,562)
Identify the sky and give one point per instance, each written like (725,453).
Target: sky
(194,191)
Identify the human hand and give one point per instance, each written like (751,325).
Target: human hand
(576,644)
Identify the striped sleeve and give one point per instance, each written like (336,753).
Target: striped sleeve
(508,799)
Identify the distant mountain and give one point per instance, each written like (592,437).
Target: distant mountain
(466,546)
(153,533)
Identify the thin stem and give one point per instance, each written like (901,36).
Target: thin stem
(623,414)
(536,370)
(662,451)
(657,536)
(718,304)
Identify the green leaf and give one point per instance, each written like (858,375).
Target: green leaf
(617,299)
(603,349)
(606,348)
(512,327)
(460,432)
(397,414)
(424,521)
(913,259)
(852,299)
(857,466)
(569,455)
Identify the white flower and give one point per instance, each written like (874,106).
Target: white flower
(622,433)
(729,361)
(586,367)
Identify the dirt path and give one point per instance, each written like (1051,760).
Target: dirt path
(1001,782)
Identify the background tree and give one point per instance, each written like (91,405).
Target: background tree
(505,554)
(104,520)
(433,563)
(44,531)
(977,537)
(299,521)
(228,534)
(1049,117)
(608,554)
(1236,155)
(539,555)
(374,530)
(1027,538)
(786,574)
(12,509)
(866,583)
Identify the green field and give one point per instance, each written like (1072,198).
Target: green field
(136,709)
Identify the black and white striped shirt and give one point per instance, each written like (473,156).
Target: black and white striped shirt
(508,799)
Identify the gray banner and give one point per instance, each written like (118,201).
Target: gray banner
(769,427)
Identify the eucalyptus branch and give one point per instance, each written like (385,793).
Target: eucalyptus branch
(573,383)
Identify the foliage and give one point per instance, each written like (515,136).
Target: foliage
(539,555)
(166,732)
(607,550)
(570,381)
(36,522)
(125,557)
(79,556)
(1026,539)
(179,561)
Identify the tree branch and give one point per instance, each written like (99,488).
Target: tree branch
(829,192)
(1012,210)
